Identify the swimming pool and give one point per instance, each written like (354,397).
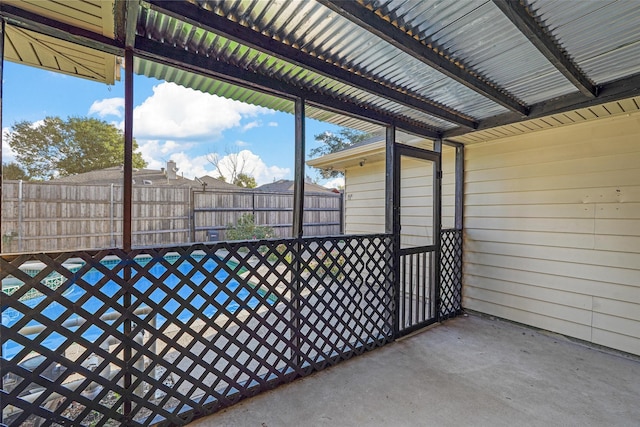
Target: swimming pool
(197,293)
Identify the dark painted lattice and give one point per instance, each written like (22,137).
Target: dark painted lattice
(111,338)
(451,274)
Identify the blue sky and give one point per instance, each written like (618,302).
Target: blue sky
(170,122)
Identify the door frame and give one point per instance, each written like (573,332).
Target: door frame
(399,151)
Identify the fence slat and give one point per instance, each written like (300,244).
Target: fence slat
(57,217)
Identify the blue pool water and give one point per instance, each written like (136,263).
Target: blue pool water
(198,293)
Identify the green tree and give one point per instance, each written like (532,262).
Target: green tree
(245,228)
(331,143)
(13,171)
(59,147)
(245,180)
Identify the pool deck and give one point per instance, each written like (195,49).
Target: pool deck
(472,370)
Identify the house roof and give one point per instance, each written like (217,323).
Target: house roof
(284,185)
(463,71)
(217,184)
(114,175)
(144,177)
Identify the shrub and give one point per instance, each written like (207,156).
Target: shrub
(245,228)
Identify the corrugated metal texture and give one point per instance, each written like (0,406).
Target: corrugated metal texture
(341,120)
(209,85)
(184,35)
(327,35)
(625,106)
(602,37)
(482,38)
(226,90)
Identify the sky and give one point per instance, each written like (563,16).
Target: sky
(171,122)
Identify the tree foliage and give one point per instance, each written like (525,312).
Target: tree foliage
(245,228)
(57,147)
(13,171)
(332,143)
(245,180)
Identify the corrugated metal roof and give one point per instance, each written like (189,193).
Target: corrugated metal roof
(187,36)
(480,62)
(480,36)
(227,90)
(602,37)
(609,109)
(327,35)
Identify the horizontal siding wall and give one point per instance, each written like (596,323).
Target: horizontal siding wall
(552,230)
(365,195)
(365,199)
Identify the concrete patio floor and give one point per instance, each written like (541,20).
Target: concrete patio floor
(471,370)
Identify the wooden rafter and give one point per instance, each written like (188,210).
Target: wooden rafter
(368,20)
(613,91)
(211,67)
(222,26)
(544,41)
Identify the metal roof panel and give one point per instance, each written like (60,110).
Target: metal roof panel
(329,36)
(483,39)
(602,37)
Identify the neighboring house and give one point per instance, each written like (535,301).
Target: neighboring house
(211,183)
(167,176)
(551,223)
(284,185)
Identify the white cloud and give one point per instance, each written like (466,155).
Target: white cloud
(254,166)
(190,167)
(251,125)
(242,143)
(337,182)
(107,107)
(272,124)
(8,155)
(175,112)
(156,153)
(37,124)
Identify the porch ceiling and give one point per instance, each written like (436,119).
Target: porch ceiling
(437,68)
(35,49)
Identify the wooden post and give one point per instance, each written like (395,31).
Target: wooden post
(126,218)
(2,25)
(128,150)
(298,186)
(437,224)
(459,198)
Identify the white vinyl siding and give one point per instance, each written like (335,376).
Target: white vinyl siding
(365,199)
(552,230)
(365,193)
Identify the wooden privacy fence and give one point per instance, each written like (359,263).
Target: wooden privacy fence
(43,217)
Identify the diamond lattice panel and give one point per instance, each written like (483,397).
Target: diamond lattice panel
(451,274)
(163,335)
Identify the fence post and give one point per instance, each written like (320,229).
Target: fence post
(112,214)
(20,215)
(341,207)
(192,214)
